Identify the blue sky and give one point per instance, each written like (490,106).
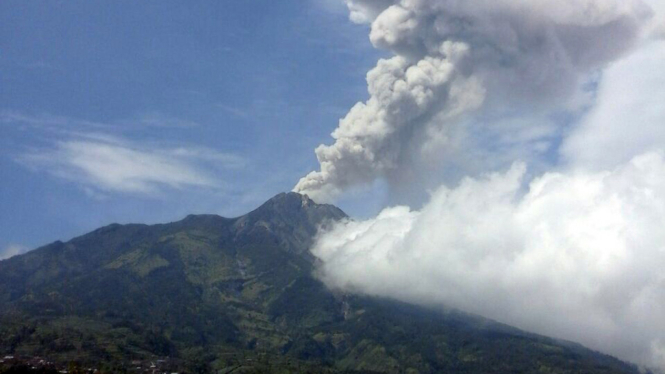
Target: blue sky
(147,111)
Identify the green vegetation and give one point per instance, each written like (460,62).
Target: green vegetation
(237,295)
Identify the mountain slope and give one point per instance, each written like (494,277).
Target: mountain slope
(238,294)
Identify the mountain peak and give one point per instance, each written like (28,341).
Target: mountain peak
(290,215)
(291,196)
(288,199)
(292,203)
(209,292)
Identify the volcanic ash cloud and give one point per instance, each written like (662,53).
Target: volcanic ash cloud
(567,241)
(458,59)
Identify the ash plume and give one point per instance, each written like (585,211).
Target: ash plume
(455,59)
(538,127)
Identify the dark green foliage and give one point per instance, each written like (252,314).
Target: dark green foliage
(25,369)
(237,295)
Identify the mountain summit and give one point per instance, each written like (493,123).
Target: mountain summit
(292,217)
(210,293)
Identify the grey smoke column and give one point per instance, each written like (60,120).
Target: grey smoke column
(455,57)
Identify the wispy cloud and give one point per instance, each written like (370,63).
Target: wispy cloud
(49,121)
(11,251)
(96,157)
(45,121)
(103,163)
(234,111)
(157,119)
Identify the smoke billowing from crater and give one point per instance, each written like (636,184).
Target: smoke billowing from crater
(455,60)
(542,124)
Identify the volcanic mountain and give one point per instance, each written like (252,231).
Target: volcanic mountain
(239,295)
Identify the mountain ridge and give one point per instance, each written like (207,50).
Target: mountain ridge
(212,292)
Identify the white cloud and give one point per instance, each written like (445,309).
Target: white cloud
(657,27)
(578,256)
(111,164)
(11,251)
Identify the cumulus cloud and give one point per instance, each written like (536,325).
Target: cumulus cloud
(11,251)
(577,256)
(111,164)
(455,59)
